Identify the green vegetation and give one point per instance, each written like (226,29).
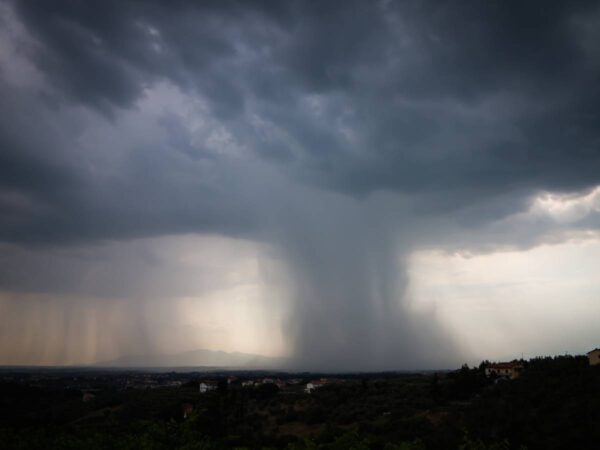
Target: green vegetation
(554,405)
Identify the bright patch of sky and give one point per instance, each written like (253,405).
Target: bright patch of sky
(543,301)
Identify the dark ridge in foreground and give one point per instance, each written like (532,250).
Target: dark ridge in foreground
(553,404)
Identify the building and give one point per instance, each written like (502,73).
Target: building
(314,385)
(594,357)
(510,370)
(206,386)
(88,397)
(187,409)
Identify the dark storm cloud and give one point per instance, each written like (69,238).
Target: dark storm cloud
(346,134)
(469,97)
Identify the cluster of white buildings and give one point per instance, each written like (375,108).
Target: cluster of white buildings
(207,386)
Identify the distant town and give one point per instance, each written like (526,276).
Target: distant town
(91,380)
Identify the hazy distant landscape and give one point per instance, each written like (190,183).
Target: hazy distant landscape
(197,358)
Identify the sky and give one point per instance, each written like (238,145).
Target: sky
(344,185)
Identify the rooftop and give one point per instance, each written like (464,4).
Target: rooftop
(505,365)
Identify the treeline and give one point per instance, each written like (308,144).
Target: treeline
(555,404)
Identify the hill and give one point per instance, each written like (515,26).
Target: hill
(197,358)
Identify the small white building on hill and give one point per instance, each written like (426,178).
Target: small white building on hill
(207,386)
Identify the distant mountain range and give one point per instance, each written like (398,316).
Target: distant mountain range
(197,358)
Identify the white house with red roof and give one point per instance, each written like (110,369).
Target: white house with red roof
(509,370)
